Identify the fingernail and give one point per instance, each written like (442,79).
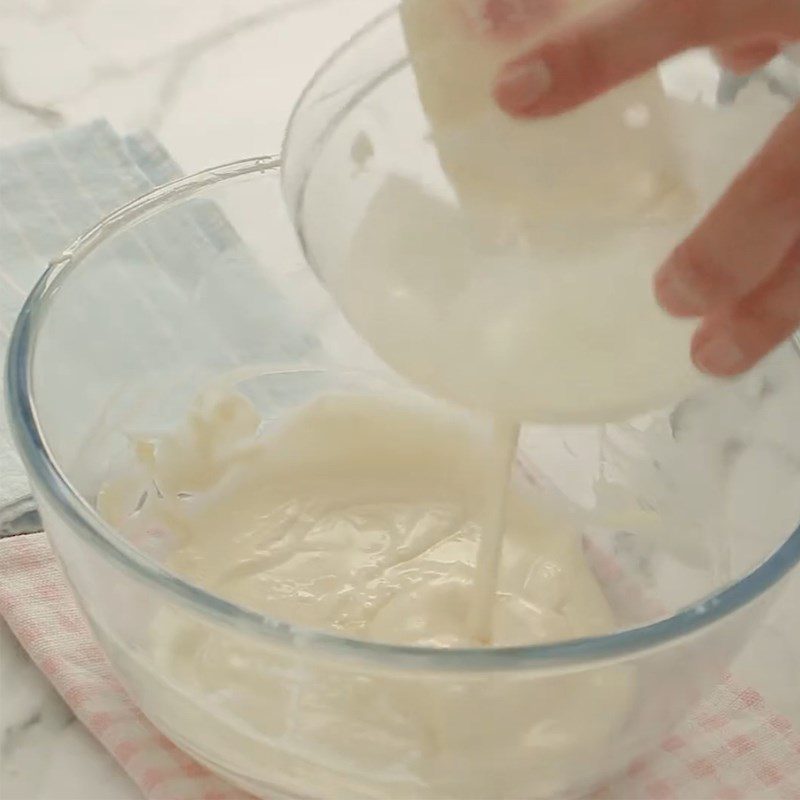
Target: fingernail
(720,355)
(521,85)
(677,295)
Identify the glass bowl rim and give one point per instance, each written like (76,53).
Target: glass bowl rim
(53,486)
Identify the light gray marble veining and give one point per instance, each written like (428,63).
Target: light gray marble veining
(216,81)
(45,753)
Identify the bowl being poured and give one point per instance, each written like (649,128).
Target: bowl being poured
(507,264)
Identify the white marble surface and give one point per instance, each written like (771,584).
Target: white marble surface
(215,80)
(44,751)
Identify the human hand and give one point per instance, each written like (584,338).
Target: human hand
(739,271)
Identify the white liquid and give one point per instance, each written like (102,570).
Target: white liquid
(614,160)
(505,436)
(364,517)
(560,336)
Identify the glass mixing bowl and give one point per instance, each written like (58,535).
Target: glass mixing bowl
(688,518)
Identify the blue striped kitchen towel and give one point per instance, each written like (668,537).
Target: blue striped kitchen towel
(54,188)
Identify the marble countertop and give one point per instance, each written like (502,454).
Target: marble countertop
(215,81)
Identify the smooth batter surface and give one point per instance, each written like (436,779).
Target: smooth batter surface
(361,515)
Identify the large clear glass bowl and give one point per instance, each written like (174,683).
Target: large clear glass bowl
(688,517)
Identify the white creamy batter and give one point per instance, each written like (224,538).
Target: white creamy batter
(359,515)
(362,515)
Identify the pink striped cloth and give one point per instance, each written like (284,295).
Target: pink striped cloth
(733,747)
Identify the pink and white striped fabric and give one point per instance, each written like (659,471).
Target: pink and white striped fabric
(39,607)
(733,748)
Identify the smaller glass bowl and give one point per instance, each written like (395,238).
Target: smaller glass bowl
(541,305)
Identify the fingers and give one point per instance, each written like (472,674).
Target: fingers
(746,58)
(732,341)
(745,238)
(740,270)
(509,20)
(614,45)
